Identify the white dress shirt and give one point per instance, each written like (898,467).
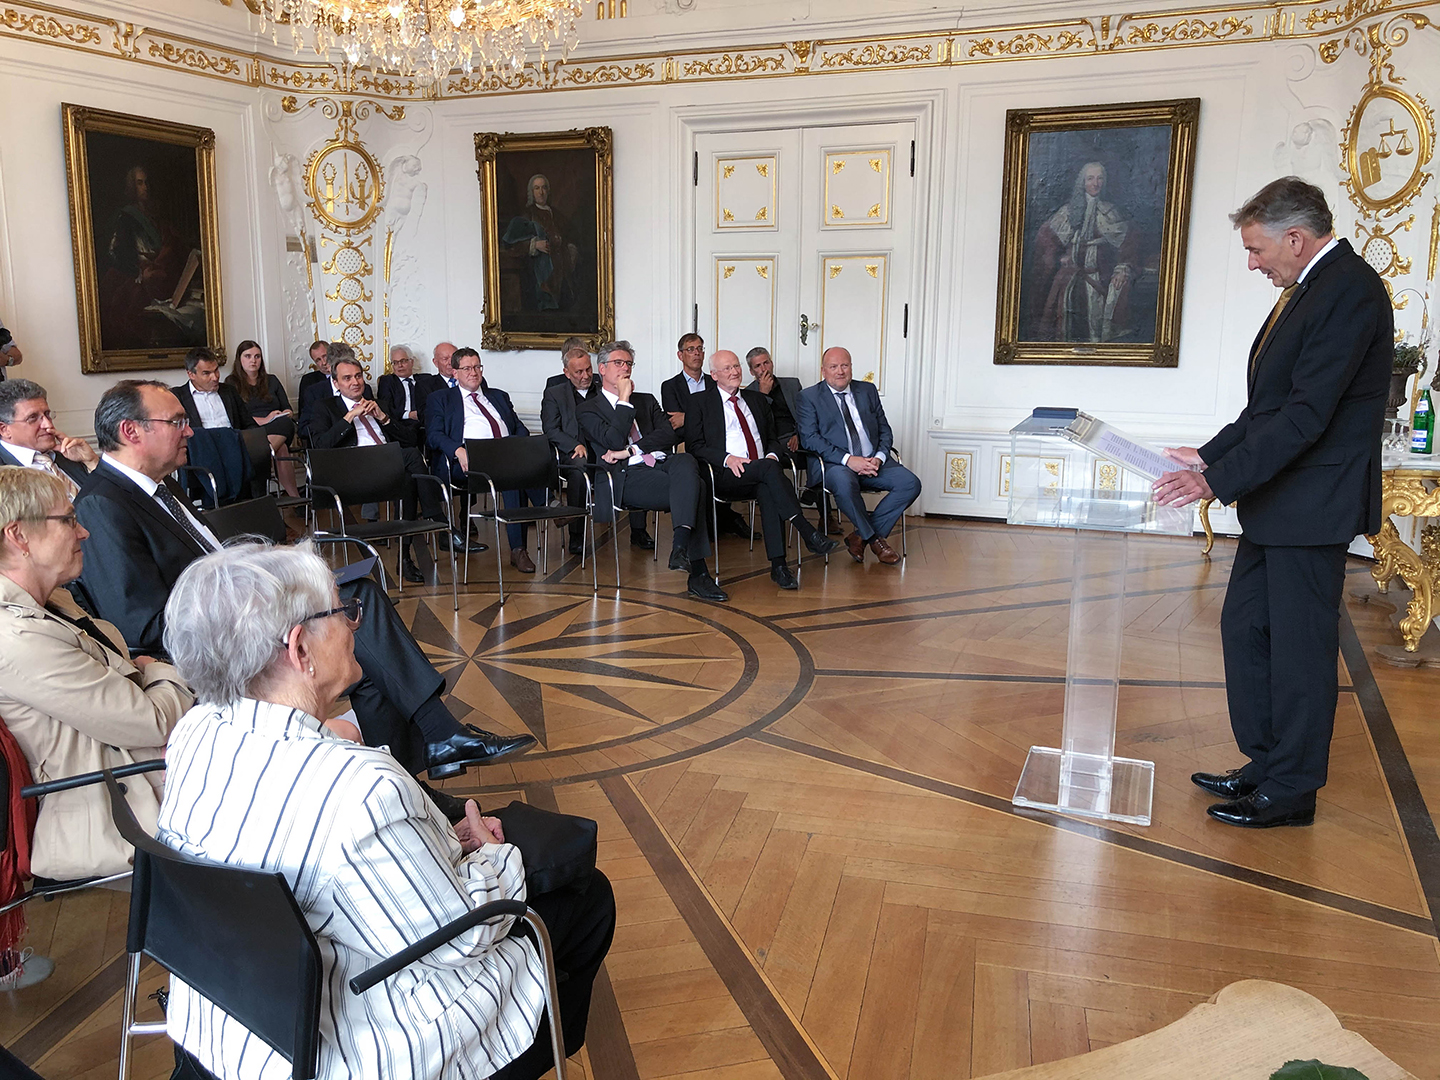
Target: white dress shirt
(149,487)
(695,385)
(374,867)
(866,450)
(636,455)
(211,408)
(1318,256)
(408,386)
(476,426)
(365,434)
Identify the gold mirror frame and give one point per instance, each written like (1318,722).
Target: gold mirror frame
(1183,117)
(1425,129)
(488,145)
(77,121)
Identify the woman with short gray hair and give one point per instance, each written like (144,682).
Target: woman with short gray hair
(256,780)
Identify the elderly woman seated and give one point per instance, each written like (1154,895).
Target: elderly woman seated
(69,692)
(255,780)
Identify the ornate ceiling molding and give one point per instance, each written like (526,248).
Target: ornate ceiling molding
(1096,35)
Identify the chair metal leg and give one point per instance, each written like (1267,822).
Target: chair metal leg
(715,521)
(594,558)
(655,552)
(499,560)
(615,543)
(752,525)
(552,996)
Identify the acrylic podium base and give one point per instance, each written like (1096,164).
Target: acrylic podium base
(1113,789)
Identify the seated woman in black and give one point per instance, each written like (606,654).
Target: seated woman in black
(263,395)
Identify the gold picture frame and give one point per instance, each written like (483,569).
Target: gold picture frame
(1086,279)
(549,270)
(145,236)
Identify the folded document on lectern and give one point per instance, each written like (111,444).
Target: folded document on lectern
(1105,441)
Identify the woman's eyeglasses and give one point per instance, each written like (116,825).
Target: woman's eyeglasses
(352,609)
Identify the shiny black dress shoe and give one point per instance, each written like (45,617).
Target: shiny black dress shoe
(1228,785)
(643,540)
(1257,811)
(703,587)
(472,747)
(577,547)
(411,573)
(782,575)
(460,544)
(679,560)
(821,544)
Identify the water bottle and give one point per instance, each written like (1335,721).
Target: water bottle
(1422,434)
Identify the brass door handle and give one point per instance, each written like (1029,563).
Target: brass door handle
(805,327)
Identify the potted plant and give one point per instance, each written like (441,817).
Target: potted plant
(1409,359)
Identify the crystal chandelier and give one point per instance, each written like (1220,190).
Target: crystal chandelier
(427,39)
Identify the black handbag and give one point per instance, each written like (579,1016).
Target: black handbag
(558,849)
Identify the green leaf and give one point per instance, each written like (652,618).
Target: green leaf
(1315,1070)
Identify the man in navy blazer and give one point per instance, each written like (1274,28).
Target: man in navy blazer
(469,410)
(844,424)
(1302,462)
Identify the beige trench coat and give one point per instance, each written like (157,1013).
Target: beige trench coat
(76,706)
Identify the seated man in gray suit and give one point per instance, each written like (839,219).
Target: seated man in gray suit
(844,423)
(561,425)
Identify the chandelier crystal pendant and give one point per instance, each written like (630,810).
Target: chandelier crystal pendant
(427,39)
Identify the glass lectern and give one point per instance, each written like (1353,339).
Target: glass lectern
(1072,471)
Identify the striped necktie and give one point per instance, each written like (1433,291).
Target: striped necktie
(46,463)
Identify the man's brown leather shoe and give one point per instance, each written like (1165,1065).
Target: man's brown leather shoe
(520,559)
(855,546)
(884,552)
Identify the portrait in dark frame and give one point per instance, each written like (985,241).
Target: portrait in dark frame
(143,225)
(1094,224)
(548,248)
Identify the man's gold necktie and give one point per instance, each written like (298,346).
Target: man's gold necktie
(47,464)
(1285,295)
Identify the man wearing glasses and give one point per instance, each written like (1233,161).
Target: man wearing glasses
(28,436)
(630,433)
(143,534)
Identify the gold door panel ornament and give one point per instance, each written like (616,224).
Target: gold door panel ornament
(857,187)
(745,192)
(853,301)
(744,303)
(1388,142)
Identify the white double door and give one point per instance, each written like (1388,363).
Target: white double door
(803,241)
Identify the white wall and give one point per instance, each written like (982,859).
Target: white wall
(1253,95)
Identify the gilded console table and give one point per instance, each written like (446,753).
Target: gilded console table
(1410,490)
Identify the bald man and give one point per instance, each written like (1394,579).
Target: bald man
(443,352)
(733,430)
(844,423)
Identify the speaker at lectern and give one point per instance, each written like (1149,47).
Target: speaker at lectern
(1069,470)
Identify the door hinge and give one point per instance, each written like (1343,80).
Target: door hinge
(696,169)
(912,157)
(905,326)
(695,327)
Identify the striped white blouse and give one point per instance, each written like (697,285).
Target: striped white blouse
(375,867)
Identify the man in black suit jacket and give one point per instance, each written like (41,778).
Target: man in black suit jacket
(403,391)
(314,382)
(630,434)
(1303,463)
(733,431)
(690,379)
(143,534)
(216,410)
(561,425)
(28,436)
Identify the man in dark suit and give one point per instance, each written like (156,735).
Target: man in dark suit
(632,436)
(403,391)
(675,398)
(216,410)
(783,393)
(352,417)
(1303,463)
(314,382)
(471,410)
(732,429)
(28,436)
(561,425)
(143,534)
(844,424)
(570,347)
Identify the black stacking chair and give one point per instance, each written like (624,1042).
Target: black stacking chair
(47,888)
(237,937)
(353,475)
(205,481)
(262,468)
(261,517)
(599,473)
(521,462)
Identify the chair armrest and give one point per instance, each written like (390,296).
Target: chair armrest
(444,493)
(66,783)
(430,942)
(494,495)
(207,474)
(318,489)
(582,472)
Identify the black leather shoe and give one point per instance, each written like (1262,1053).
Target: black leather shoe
(461,545)
(472,747)
(703,587)
(821,544)
(577,547)
(679,560)
(1257,811)
(1228,785)
(782,575)
(411,573)
(807,497)
(447,804)
(739,527)
(642,540)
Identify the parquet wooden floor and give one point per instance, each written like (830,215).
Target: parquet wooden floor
(804,806)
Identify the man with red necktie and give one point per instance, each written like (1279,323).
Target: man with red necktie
(734,431)
(472,410)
